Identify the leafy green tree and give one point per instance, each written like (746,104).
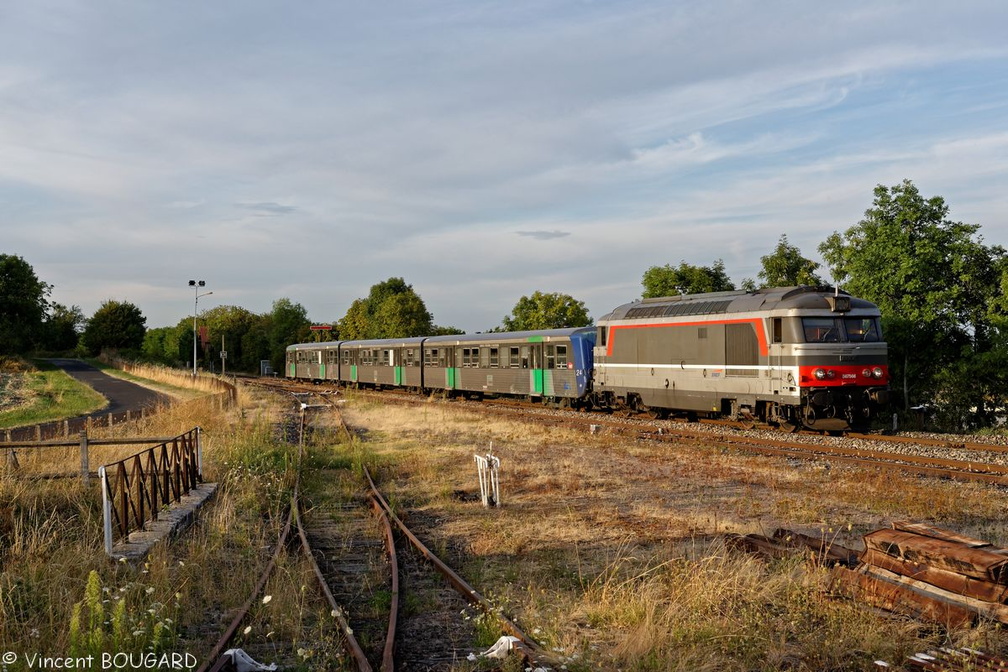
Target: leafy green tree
(354,325)
(287,323)
(546,311)
(933,279)
(116,325)
(23,305)
(685,279)
(161,345)
(401,315)
(62,327)
(392,309)
(786,267)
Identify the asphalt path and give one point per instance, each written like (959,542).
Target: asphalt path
(122,395)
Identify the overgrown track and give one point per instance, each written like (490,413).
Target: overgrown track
(358,568)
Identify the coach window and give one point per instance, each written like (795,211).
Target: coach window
(442,357)
(494,358)
(561,357)
(475,358)
(550,356)
(467,358)
(525,357)
(513,358)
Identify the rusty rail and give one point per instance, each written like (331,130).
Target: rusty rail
(135,489)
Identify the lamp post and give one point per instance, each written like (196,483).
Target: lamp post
(196,284)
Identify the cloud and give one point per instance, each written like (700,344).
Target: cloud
(544,235)
(268,209)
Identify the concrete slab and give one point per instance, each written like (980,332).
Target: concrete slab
(170,523)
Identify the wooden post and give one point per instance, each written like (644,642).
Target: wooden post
(84,467)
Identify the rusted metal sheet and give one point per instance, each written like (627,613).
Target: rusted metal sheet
(977,563)
(950,581)
(990,610)
(878,592)
(926,530)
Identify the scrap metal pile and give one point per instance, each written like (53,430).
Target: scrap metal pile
(929,573)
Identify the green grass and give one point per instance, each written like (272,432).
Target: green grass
(49,394)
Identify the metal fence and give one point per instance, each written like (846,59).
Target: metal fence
(135,489)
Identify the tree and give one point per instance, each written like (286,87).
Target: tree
(786,267)
(392,309)
(287,323)
(116,325)
(546,311)
(402,315)
(935,282)
(685,279)
(62,327)
(23,305)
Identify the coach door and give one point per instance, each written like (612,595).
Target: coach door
(538,376)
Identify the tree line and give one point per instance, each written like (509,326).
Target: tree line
(941,291)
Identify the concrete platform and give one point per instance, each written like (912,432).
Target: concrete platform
(170,523)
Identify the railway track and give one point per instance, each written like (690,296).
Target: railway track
(960,458)
(365,559)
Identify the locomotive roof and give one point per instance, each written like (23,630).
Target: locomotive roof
(771,298)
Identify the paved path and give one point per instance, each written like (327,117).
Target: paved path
(122,394)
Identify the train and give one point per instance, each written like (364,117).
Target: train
(794,357)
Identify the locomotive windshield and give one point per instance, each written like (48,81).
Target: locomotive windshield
(835,330)
(862,329)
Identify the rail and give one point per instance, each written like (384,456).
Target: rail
(136,488)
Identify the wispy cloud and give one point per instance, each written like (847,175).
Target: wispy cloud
(268,208)
(544,235)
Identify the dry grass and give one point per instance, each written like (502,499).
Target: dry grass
(608,552)
(611,551)
(51,540)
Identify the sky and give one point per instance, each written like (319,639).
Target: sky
(481,151)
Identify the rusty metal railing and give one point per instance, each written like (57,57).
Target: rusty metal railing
(135,489)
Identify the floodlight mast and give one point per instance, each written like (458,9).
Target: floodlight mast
(196,284)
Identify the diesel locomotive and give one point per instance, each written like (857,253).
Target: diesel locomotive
(795,357)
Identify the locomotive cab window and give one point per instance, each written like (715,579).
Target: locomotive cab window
(820,330)
(862,329)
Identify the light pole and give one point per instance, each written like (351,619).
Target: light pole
(196,284)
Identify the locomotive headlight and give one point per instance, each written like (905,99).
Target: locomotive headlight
(867,373)
(820,374)
(878,372)
(831,374)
